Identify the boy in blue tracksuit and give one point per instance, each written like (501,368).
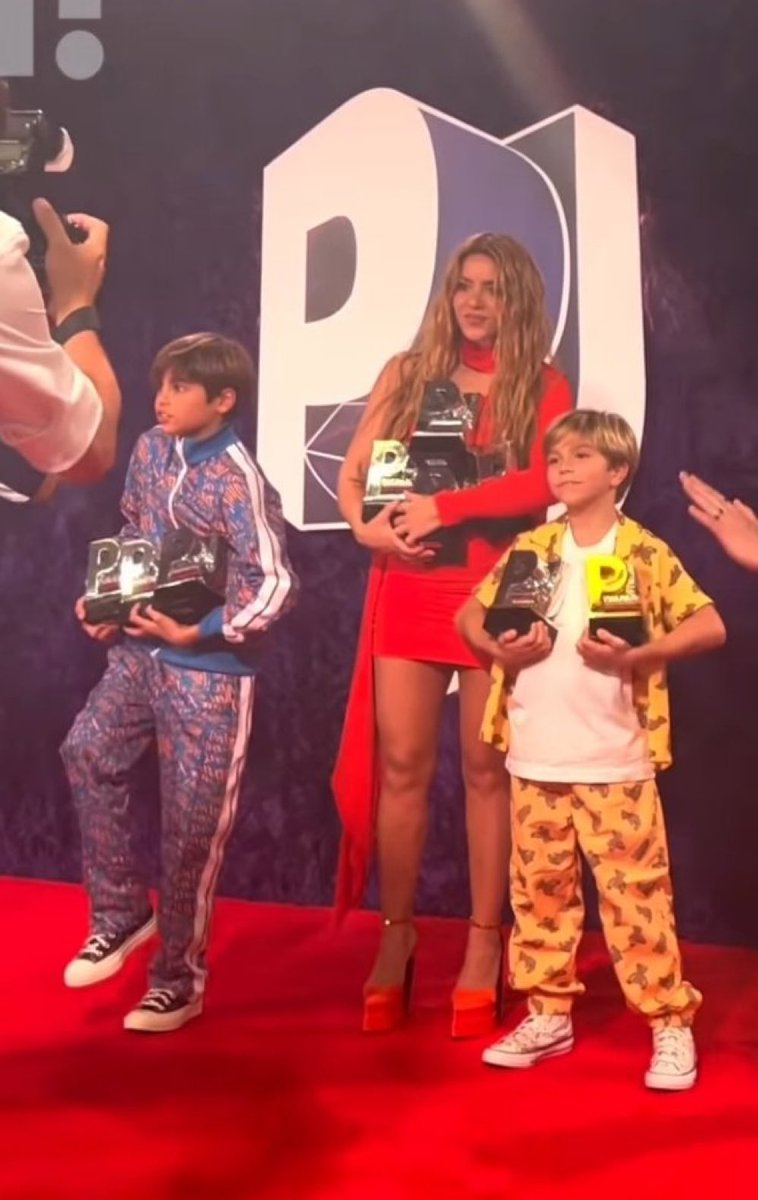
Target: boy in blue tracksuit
(190,688)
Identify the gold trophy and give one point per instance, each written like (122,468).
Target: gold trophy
(390,475)
(615,604)
(436,458)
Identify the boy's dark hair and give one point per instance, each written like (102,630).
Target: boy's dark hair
(209,359)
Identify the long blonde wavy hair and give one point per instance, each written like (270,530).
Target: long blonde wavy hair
(522,344)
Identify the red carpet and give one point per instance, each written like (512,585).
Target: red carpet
(274,1094)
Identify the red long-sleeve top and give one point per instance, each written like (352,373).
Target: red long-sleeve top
(492,507)
(518,494)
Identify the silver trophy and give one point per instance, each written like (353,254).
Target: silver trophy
(121,572)
(184,578)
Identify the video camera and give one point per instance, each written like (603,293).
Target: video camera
(30,146)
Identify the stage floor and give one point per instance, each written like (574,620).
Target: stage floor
(274,1093)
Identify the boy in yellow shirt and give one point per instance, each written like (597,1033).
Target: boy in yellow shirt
(585,723)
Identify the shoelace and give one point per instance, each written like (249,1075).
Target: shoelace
(671,1048)
(95,943)
(157,998)
(529,1034)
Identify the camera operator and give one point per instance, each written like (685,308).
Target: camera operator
(59,398)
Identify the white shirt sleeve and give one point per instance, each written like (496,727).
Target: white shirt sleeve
(49,410)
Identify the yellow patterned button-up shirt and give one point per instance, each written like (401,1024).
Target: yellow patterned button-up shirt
(668,596)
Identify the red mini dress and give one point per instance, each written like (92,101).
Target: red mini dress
(409,613)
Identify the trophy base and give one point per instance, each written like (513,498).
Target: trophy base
(102,610)
(109,610)
(502,620)
(372,508)
(630,628)
(187,601)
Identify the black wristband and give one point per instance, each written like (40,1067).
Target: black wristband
(81,320)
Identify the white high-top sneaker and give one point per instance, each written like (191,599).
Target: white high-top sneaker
(537,1037)
(673,1067)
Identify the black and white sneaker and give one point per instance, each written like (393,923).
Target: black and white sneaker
(104,954)
(160,1011)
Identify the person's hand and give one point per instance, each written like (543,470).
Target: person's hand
(418,516)
(75,273)
(515,651)
(149,623)
(731,522)
(105,632)
(381,535)
(607,653)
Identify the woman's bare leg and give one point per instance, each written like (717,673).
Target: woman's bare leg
(409,701)
(488,829)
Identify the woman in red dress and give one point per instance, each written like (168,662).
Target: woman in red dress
(489,333)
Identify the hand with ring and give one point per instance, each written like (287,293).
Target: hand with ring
(731,522)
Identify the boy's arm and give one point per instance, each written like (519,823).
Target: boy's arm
(691,620)
(469,620)
(692,624)
(701,631)
(509,650)
(265,586)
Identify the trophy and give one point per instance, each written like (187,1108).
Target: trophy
(185,578)
(437,458)
(438,448)
(390,476)
(121,572)
(191,575)
(614,599)
(524,595)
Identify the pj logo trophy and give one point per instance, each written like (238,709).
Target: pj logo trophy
(185,577)
(529,592)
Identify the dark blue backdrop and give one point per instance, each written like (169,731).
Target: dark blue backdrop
(173,136)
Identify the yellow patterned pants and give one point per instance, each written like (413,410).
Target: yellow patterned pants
(619,828)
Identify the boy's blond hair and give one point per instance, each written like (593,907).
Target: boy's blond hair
(608,432)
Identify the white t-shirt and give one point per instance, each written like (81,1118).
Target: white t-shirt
(568,722)
(49,410)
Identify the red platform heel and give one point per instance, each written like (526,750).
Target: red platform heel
(386,1008)
(478,1011)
